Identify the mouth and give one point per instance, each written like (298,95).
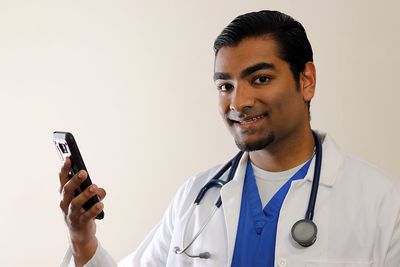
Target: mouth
(247,121)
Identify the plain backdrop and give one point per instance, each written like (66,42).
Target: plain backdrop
(133,81)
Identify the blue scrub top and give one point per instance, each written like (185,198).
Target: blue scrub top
(256,233)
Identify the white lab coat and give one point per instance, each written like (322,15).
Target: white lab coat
(357,214)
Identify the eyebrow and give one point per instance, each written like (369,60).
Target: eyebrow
(256,67)
(221,76)
(247,71)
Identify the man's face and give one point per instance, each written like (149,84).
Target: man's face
(259,99)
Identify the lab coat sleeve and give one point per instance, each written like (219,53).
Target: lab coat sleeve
(392,258)
(100,259)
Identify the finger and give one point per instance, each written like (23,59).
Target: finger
(101,193)
(82,198)
(77,215)
(92,212)
(63,175)
(69,188)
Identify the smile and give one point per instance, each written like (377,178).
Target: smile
(249,121)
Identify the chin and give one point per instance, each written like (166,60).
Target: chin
(259,144)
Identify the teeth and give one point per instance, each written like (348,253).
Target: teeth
(251,120)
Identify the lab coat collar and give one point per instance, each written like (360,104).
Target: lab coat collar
(332,160)
(231,195)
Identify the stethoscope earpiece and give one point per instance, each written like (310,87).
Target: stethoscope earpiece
(304,232)
(202,255)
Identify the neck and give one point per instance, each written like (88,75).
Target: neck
(285,153)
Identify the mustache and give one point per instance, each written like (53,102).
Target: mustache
(245,114)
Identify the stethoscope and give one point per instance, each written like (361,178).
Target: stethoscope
(304,231)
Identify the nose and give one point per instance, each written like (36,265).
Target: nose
(241,98)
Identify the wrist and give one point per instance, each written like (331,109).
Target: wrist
(83,250)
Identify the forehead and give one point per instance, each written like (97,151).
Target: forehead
(248,52)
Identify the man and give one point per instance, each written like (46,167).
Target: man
(265,77)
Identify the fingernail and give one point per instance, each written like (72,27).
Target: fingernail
(81,175)
(92,189)
(99,206)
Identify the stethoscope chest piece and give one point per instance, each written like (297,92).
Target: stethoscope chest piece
(304,232)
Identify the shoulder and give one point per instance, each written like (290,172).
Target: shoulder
(366,172)
(357,174)
(195,183)
(189,190)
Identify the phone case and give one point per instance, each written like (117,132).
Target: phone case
(67,147)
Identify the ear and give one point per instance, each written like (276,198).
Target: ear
(308,81)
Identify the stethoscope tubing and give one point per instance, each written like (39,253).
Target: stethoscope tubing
(205,223)
(317,174)
(216,182)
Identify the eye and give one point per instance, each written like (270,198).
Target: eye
(261,79)
(225,87)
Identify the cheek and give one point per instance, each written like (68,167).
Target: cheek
(293,107)
(287,104)
(280,102)
(223,104)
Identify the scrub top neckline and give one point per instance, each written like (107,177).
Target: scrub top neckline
(271,210)
(274,176)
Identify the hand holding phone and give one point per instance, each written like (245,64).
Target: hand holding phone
(68,148)
(79,199)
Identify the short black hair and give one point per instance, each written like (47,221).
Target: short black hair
(290,35)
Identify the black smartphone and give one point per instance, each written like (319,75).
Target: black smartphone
(67,147)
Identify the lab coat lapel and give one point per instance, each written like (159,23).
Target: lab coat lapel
(231,195)
(332,160)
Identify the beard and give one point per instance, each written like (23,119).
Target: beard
(259,144)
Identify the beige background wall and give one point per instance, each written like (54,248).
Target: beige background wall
(132,81)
